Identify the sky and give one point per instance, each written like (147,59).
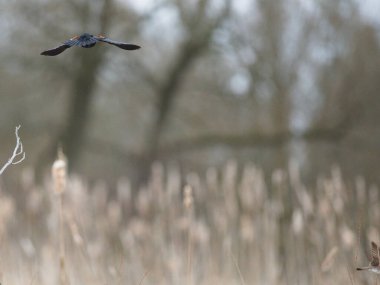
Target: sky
(369,8)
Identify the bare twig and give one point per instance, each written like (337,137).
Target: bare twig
(18,154)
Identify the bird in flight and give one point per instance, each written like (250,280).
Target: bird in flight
(87,41)
(374,265)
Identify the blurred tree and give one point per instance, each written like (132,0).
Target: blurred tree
(349,90)
(80,70)
(199,25)
(254,80)
(83,88)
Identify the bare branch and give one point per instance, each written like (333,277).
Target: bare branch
(18,154)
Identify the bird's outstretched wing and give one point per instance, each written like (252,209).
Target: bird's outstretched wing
(59,49)
(375,254)
(121,45)
(55,51)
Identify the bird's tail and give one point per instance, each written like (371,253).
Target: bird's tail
(362,268)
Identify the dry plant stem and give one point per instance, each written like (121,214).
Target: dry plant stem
(242,281)
(267,237)
(83,249)
(62,274)
(17,152)
(87,257)
(144,276)
(189,249)
(60,180)
(188,204)
(350,276)
(33,279)
(358,243)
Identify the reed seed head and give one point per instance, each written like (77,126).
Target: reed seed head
(59,172)
(188,199)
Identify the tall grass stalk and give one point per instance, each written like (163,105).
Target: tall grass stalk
(242,281)
(281,230)
(59,174)
(188,202)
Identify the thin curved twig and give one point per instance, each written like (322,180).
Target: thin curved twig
(18,154)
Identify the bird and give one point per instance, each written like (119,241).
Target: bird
(374,265)
(87,41)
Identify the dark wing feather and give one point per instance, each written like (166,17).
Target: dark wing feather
(375,255)
(121,45)
(67,44)
(56,50)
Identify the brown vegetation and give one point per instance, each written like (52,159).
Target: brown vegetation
(221,228)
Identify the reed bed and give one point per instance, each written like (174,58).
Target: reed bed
(235,225)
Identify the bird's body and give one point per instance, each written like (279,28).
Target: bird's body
(374,265)
(87,41)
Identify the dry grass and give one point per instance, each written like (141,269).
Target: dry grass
(223,227)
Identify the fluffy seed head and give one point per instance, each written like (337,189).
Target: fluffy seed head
(59,171)
(188,197)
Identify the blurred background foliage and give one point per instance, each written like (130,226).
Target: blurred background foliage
(265,81)
(267,109)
